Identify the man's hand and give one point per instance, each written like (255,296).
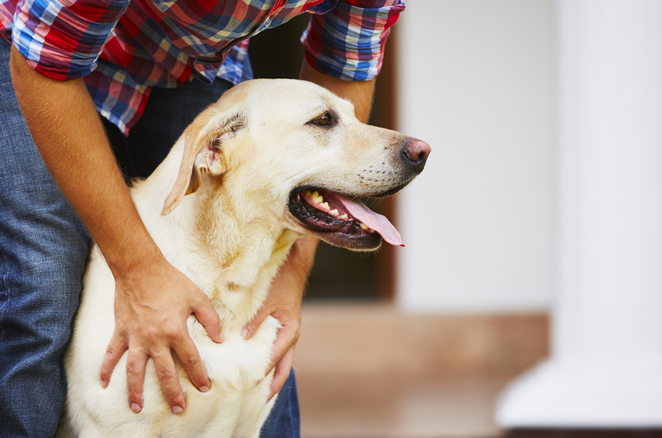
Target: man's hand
(152,305)
(284,304)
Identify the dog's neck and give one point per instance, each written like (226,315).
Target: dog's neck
(230,257)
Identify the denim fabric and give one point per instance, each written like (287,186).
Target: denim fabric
(43,248)
(284,420)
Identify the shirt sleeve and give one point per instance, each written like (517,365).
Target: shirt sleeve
(346,38)
(62,39)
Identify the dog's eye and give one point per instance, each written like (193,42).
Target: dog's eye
(325,119)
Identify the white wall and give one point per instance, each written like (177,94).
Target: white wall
(476,82)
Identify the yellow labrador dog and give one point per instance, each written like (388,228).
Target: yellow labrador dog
(271,161)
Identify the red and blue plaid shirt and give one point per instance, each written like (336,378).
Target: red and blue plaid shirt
(125,47)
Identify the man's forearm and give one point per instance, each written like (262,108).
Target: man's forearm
(358,92)
(70,137)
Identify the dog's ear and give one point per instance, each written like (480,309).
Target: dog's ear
(202,153)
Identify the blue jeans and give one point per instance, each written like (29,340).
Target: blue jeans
(43,249)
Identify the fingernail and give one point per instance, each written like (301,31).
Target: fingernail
(177,409)
(135,407)
(221,337)
(244,332)
(204,388)
(104,384)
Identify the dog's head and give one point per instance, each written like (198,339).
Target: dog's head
(292,151)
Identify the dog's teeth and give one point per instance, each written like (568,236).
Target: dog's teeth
(315,196)
(344,217)
(324,205)
(334,212)
(363,226)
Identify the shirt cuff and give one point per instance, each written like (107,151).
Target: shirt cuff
(64,41)
(348,41)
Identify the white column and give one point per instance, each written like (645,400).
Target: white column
(606,364)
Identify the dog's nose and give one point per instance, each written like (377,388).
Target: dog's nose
(415,152)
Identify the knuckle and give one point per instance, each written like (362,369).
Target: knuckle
(120,328)
(115,348)
(132,370)
(176,335)
(191,362)
(200,301)
(165,374)
(172,331)
(153,335)
(159,355)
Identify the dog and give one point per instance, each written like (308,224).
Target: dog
(270,162)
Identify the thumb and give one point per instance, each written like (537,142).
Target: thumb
(255,323)
(209,319)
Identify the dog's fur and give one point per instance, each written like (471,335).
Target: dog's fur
(238,163)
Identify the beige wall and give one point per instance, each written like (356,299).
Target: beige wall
(476,82)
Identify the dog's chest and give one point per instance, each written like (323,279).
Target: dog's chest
(236,363)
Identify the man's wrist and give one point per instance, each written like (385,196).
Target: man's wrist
(124,264)
(358,92)
(302,255)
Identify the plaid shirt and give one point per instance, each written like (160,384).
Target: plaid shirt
(125,47)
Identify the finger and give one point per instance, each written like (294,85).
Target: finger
(114,352)
(167,374)
(135,378)
(209,319)
(255,323)
(282,373)
(288,335)
(190,359)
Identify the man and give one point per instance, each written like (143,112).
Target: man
(70,59)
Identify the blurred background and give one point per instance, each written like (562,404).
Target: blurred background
(421,341)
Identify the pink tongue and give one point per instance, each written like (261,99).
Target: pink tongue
(373,220)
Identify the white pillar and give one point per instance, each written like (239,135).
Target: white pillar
(606,364)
